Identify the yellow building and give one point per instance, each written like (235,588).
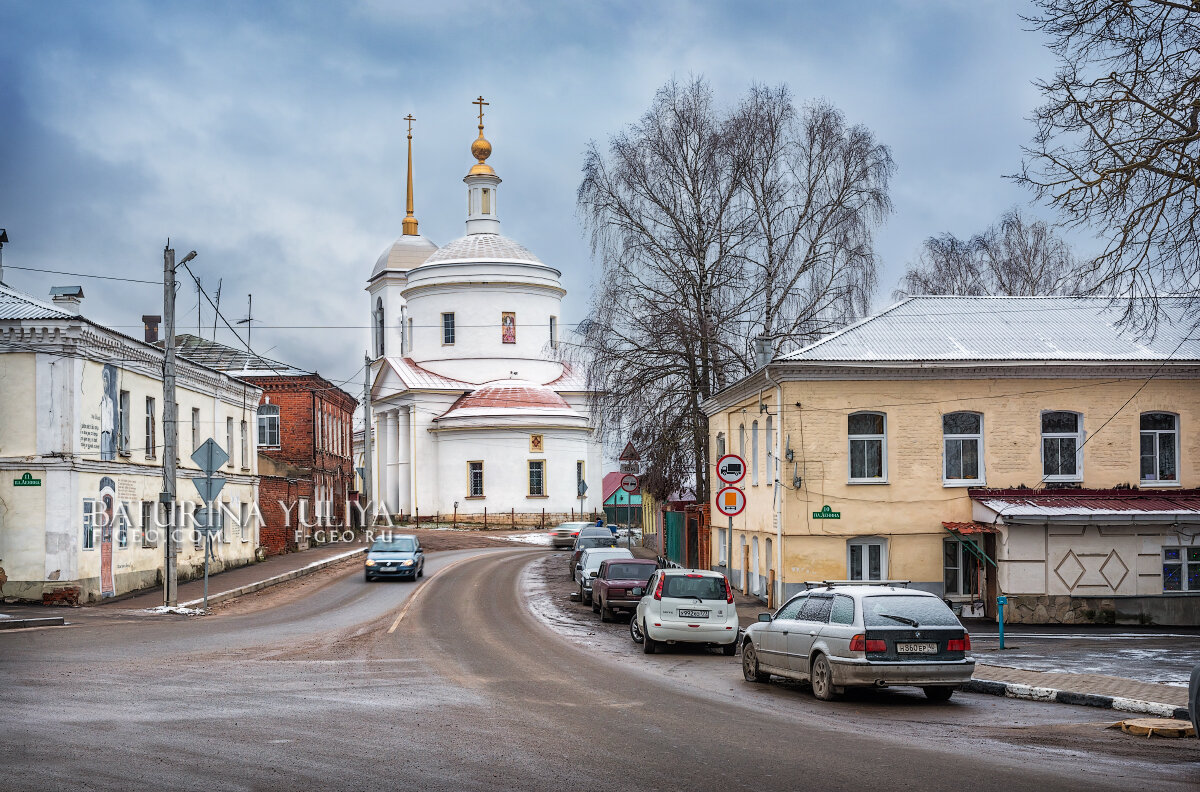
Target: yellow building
(81,440)
(976,447)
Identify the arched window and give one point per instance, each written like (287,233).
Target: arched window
(867,433)
(1062,438)
(754,454)
(742,441)
(720,444)
(379,325)
(772,474)
(962,444)
(1160,447)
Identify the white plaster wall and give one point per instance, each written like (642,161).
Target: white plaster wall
(1024,549)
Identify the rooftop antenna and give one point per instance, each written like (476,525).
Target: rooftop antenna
(218,309)
(249,318)
(199,288)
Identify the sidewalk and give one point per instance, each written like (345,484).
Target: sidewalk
(242,579)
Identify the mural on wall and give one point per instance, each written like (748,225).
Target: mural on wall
(508,327)
(109,420)
(108,519)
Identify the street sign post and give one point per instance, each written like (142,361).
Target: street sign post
(731,469)
(209,457)
(629,483)
(731,501)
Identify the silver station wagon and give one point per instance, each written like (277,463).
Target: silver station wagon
(839,636)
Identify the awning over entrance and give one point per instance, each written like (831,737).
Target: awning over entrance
(1037,507)
(969,528)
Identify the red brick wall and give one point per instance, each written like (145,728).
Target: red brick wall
(275,534)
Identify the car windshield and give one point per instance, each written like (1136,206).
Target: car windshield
(686,586)
(400,544)
(594,541)
(907,611)
(596,557)
(630,571)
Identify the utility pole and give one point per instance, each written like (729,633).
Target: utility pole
(170,424)
(367,454)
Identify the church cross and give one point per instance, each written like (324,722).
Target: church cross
(482,104)
(409,118)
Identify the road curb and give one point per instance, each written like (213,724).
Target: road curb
(284,577)
(40,621)
(1030,693)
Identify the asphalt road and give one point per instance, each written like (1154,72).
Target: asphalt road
(484,677)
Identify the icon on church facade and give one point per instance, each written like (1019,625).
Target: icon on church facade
(508,327)
(536,445)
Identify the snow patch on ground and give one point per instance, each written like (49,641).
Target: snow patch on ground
(535,538)
(177,609)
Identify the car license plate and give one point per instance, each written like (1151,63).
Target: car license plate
(916,648)
(637,592)
(685,613)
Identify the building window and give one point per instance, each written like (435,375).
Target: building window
(771,461)
(579,478)
(410,334)
(89,523)
(1181,568)
(1061,439)
(1160,447)
(123,418)
(960,569)
(867,559)
(537,478)
(195,429)
(487,201)
(447,328)
(229,441)
(268,425)
(868,447)
(742,441)
(720,444)
(244,521)
(149,529)
(245,445)
(554,332)
(474,479)
(962,444)
(379,327)
(151,443)
(754,453)
(122,525)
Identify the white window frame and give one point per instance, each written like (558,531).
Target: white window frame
(1158,433)
(482,484)
(1182,563)
(882,438)
(866,542)
(1078,435)
(151,440)
(448,328)
(977,437)
(265,421)
(380,328)
(123,445)
(541,463)
(554,332)
(772,476)
(148,512)
(754,454)
(89,523)
(229,442)
(962,557)
(122,520)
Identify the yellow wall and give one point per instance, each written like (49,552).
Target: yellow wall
(18,404)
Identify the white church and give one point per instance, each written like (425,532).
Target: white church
(472,408)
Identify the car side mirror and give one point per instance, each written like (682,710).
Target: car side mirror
(592,574)
(579,566)
(764,617)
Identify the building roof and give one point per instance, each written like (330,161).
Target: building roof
(410,250)
(959,328)
(483,247)
(18,305)
(1073,505)
(509,397)
(240,362)
(416,377)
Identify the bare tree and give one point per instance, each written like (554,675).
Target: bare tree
(712,227)
(1013,257)
(1118,136)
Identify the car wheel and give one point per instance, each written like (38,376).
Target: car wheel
(822,679)
(648,643)
(595,603)
(634,631)
(729,649)
(939,693)
(421,570)
(750,664)
(606,613)
(367,578)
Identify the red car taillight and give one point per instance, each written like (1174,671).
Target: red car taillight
(728,592)
(959,644)
(859,643)
(658,588)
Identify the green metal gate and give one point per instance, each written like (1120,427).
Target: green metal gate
(673,526)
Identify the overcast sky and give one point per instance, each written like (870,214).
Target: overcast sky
(269,136)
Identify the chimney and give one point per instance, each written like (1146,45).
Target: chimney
(150,323)
(69,298)
(3,239)
(764,350)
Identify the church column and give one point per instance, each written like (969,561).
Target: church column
(391,478)
(404,461)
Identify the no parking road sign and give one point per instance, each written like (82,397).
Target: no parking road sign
(731,501)
(731,468)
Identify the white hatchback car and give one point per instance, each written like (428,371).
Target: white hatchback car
(686,606)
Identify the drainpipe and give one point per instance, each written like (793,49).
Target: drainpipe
(778,487)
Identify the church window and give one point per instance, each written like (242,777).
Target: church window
(268,425)
(579,478)
(447,328)
(410,334)
(487,201)
(379,325)
(554,332)
(474,479)
(537,478)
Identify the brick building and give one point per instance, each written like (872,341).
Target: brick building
(304,443)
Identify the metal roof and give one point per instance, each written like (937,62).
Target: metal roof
(233,361)
(17,305)
(483,247)
(415,377)
(1008,328)
(1035,505)
(403,254)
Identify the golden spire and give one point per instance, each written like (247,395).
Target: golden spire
(481,149)
(410,222)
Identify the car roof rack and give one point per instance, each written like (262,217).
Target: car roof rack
(828,584)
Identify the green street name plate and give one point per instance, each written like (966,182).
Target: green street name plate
(827,513)
(27,481)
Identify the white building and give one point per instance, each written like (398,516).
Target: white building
(473,410)
(81,439)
